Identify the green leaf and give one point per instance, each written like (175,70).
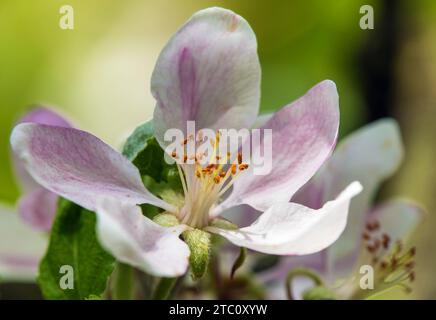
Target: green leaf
(138,140)
(145,152)
(73,243)
(161,178)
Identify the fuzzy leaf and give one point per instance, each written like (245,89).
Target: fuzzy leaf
(74,247)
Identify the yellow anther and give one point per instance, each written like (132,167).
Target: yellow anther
(233,168)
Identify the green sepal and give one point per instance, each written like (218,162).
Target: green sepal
(222,223)
(166,220)
(239,261)
(199,242)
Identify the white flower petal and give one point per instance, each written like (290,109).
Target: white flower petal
(292,229)
(136,240)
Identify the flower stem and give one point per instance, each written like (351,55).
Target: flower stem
(123,282)
(300,272)
(164,288)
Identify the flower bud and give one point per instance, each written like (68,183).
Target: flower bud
(198,242)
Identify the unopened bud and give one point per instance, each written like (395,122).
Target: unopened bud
(198,242)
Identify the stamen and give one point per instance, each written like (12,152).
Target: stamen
(233,169)
(395,264)
(243,166)
(204,184)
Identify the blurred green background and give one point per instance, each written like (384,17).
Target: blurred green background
(98,74)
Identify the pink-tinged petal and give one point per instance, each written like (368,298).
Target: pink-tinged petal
(46,116)
(209,72)
(21,248)
(303,137)
(38,208)
(79,166)
(136,240)
(43,116)
(292,229)
(369,155)
(397,218)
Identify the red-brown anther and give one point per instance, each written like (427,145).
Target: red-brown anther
(385,241)
(217,179)
(174,154)
(366,236)
(198,174)
(376,225)
(239,158)
(223,174)
(243,166)
(410,265)
(412,251)
(217,157)
(210,166)
(374,260)
(369,226)
(233,168)
(412,276)
(371,249)
(228,154)
(372,225)
(185,158)
(185,141)
(394,262)
(383,264)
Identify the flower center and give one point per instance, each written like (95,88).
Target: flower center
(206,181)
(393,264)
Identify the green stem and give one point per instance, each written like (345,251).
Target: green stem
(300,272)
(123,282)
(164,288)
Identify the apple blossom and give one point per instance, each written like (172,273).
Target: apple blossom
(22,233)
(374,236)
(209,72)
